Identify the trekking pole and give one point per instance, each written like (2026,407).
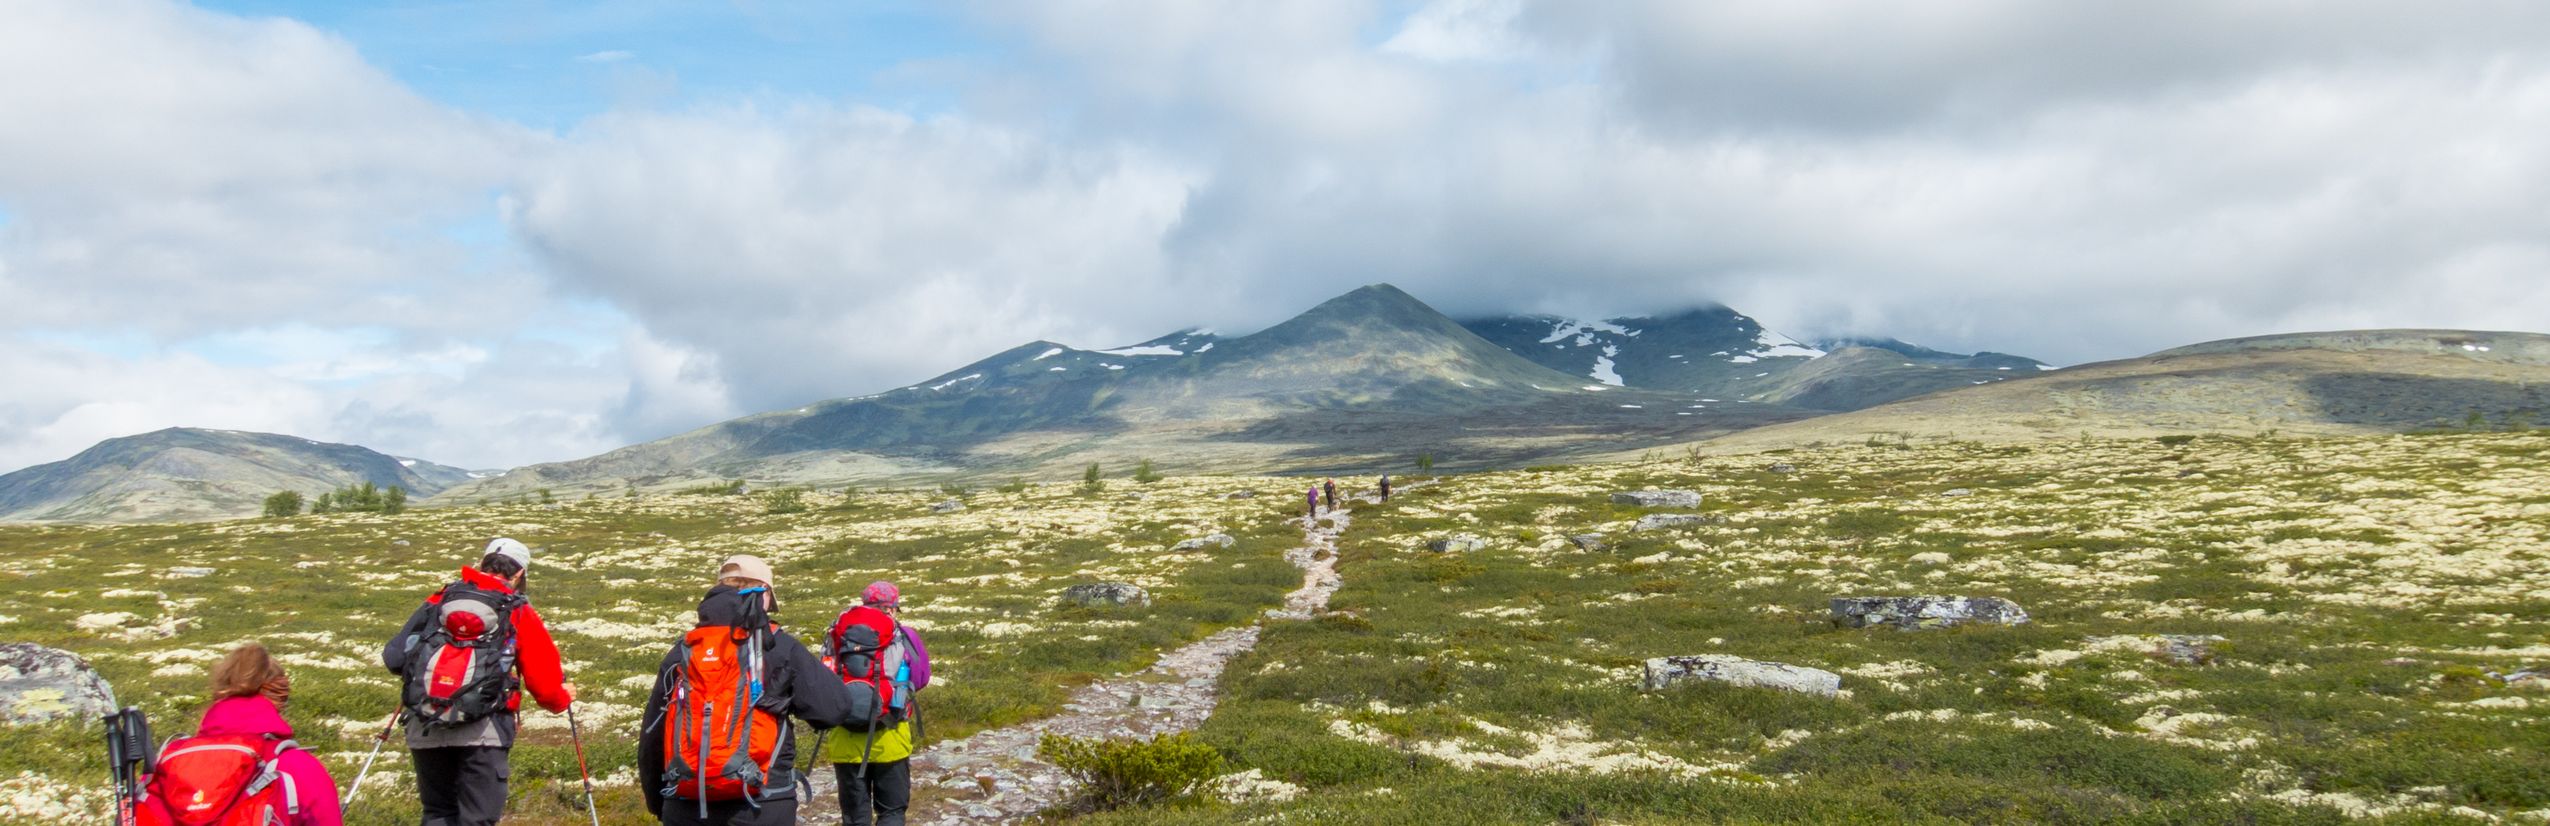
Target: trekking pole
(575,732)
(380,739)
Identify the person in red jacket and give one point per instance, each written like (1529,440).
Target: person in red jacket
(461,770)
(249,690)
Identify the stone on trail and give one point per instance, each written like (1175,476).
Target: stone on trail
(1107,593)
(949,506)
(1911,613)
(1664,672)
(39,684)
(1657,498)
(1589,541)
(1661,521)
(1223,540)
(1457,543)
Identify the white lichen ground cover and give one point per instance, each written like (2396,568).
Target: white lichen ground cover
(2370,595)
(617,579)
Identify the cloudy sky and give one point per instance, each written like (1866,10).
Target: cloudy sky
(489,233)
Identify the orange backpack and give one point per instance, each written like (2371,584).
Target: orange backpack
(720,741)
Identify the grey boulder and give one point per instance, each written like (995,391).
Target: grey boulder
(1657,498)
(39,684)
(1665,672)
(949,506)
(1106,593)
(2183,649)
(1912,613)
(1589,541)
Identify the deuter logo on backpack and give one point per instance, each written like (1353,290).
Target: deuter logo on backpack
(228,780)
(867,650)
(462,669)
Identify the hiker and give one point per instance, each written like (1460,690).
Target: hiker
(243,737)
(736,658)
(465,658)
(1314,504)
(873,761)
(1385,488)
(1330,488)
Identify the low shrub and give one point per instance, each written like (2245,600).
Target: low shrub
(1113,774)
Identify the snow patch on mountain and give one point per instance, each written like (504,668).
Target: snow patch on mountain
(1603,367)
(1145,350)
(945,384)
(1047,354)
(1583,332)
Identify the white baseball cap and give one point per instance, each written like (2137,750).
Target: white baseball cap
(510,549)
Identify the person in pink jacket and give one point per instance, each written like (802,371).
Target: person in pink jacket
(249,690)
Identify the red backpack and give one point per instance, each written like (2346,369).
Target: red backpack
(866,649)
(463,669)
(720,741)
(226,780)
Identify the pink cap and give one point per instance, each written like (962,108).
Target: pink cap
(882,592)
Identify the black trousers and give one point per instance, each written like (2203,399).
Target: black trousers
(679,812)
(462,786)
(887,790)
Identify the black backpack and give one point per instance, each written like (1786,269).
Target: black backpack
(461,669)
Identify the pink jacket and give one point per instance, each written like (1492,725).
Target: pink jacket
(257,715)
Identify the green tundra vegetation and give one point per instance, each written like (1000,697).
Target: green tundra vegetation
(2378,601)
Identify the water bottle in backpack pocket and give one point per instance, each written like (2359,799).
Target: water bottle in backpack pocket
(226,780)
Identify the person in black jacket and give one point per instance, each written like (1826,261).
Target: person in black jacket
(796,684)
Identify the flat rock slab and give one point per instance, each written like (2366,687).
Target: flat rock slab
(1457,543)
(1219,540)
(1666,672)
(39,684)
(1657,498)
(1106,593)
(1589,541)
(1661,521)
(1914,613)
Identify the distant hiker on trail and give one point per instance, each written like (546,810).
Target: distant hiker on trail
(1314,505)
(225,765)
(1385,487)
(885,667)
(464,660)
(1330,489)
(699,760)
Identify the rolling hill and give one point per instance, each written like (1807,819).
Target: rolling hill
(2332,383)
(185,473)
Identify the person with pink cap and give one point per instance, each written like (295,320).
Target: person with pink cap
(885,667)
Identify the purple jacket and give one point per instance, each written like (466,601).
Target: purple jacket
(920,656)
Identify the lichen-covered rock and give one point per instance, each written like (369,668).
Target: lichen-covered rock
(2183,649)
(1661,521)
(1245,494)
(39,684)
(1221,540)
(1924,612)
(1106,593)
(1457,543)
(949,506)
(1665,672)
(1657,498)
(1589,541)
(1781,467)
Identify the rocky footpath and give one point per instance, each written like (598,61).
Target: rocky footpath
(994,776)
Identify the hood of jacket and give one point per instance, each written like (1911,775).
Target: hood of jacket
(251,715)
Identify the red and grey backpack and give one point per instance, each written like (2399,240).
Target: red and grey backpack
(463,667)
(224,780)
(867,650)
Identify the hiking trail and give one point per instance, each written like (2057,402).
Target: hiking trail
(994,776)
